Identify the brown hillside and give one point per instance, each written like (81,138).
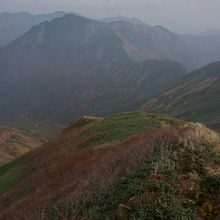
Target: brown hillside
(19,138)
(94,153)
(196,98)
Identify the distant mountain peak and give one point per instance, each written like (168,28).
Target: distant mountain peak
(132,20)
(209,32)
(14,13)
(160,27)
(14,25)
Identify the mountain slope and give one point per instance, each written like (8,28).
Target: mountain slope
(196,98)
(135,21)
(141,41)
(14,143)
(73,66)
(14,25)
(156,42)
(19,138)
(120,167)
(210,32)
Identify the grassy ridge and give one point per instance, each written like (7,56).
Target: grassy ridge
(120,126)
(153,167)
(112,129)
(173,184)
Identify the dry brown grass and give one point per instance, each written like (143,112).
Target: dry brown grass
(197,133)
(14,143)
(62,171)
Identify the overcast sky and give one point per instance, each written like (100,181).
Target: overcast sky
(186,16)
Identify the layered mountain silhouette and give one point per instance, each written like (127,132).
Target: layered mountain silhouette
(123,18)
(209,32)
(141,43)
(14,25)
(73,66)
(130,165)
(196,98)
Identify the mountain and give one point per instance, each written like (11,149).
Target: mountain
(19,138)
(212,50)
(129,165)
(14,25)
(195,98)
(156,42)
(117,18)
(75,66)
(209,32)
(140,40)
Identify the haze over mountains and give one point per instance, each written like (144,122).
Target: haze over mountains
(141,42)
(14,25)
(209,32)
(128,165)
(196,98)
(73,65)
(123,18)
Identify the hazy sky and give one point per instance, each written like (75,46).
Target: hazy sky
(189,16)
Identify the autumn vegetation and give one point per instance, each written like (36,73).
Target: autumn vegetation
(127,166)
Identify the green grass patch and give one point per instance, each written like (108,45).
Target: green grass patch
(170,120)
(11,173)
(120,126)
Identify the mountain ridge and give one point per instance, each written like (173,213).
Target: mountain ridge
(117,18)
(103,167)
(14,25)
(81,66)
(73,64)
(195,98)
